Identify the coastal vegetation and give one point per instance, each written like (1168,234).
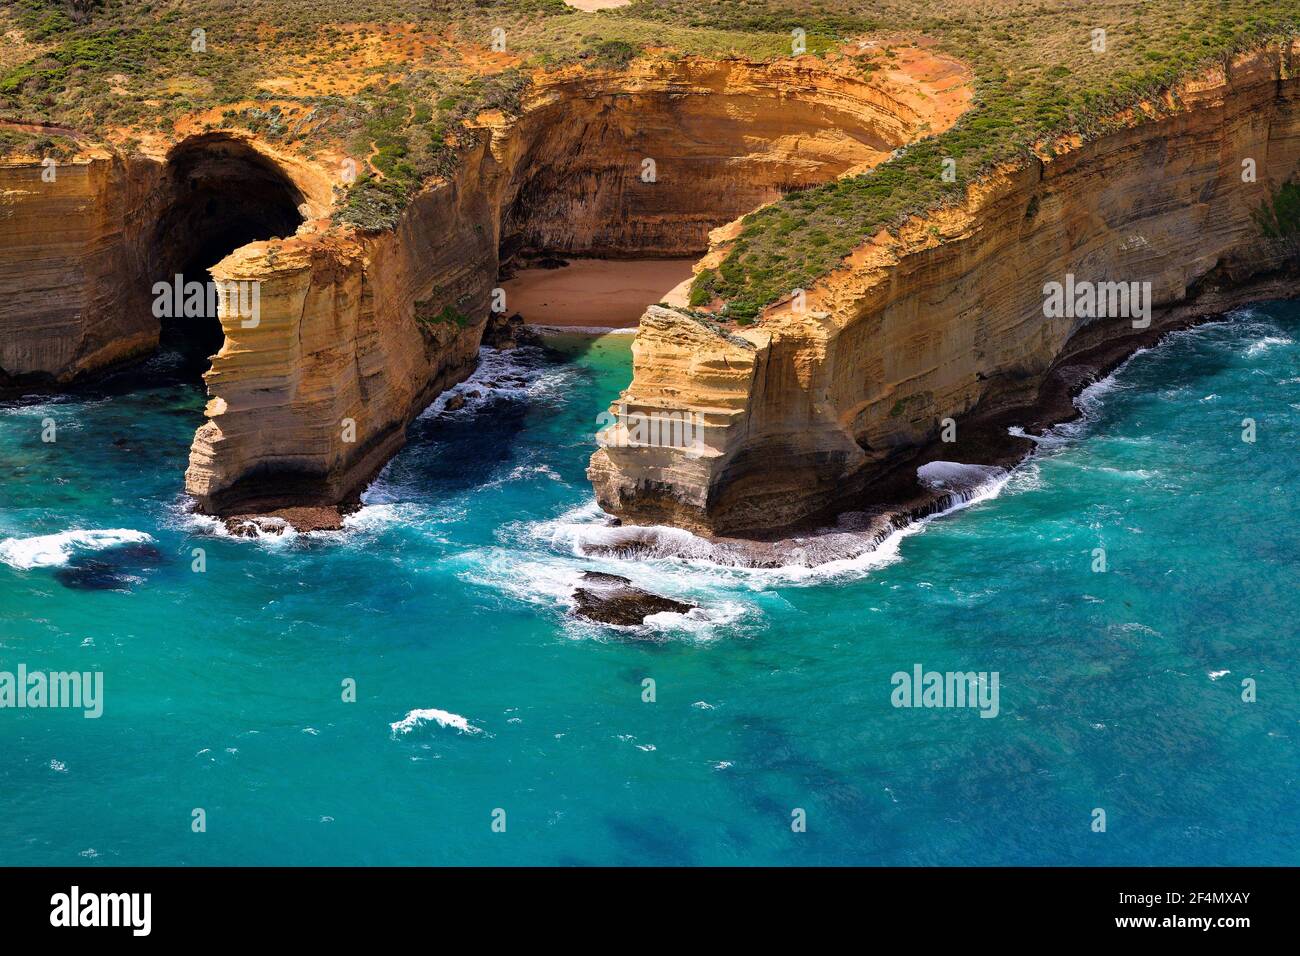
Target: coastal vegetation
(1279,218)
(1042,71)
(396,84)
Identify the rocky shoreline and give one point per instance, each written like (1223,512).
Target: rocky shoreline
(827,405)
(898,498)
(359,330)
(301,519)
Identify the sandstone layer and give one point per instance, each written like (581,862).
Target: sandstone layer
(83,239)
(69,233)
(810,413)
(358,334)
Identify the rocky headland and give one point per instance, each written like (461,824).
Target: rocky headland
(810,413)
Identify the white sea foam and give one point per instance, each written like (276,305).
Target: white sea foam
(523,473)
(443,718)
(382,508)
(1266,343)
(274,534)
(1091,400)
(181,515)
(680,558)
(511,374)
(549,581)
(60,407)
(1089,403)
(381,515)
(955,476)
(55,550)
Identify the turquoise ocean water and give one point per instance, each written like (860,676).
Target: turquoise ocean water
(444,602)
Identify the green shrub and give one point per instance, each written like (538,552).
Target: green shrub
(1279,217)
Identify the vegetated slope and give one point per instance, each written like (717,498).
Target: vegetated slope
(391,82)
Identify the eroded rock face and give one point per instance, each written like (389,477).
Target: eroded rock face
(283,520)
(813,412)
(357,333)
(368,330)
(70,247)
(82,242)
(719,139)
(308,404)
(505,333)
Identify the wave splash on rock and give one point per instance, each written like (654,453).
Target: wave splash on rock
(859,541)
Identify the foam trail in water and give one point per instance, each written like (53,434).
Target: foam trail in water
(1266,343)
(521,374)
(1091,400)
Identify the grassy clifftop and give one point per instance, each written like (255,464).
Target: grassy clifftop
(1044,68)
(392,81)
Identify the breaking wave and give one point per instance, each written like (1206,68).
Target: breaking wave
(548,581)
(415,719)
(521,374)
(859,545)
(56,550)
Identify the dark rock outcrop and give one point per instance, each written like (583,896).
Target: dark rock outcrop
(611,599)
(509,333)
(117,569)
(324,518)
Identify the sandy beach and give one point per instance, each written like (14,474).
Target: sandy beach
(597,293)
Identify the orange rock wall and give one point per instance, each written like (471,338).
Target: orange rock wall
(950,314)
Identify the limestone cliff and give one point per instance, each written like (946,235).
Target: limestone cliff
(84,238)
(812,412)
(355,337)
(69,234)
(719,139)
(358,333)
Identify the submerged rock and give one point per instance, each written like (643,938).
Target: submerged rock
(611,599)
(320,518)
(115,569)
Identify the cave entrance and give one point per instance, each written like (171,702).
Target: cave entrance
(224,194)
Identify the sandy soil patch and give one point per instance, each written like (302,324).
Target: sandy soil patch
(591,6)
(14,47)
(939,88)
